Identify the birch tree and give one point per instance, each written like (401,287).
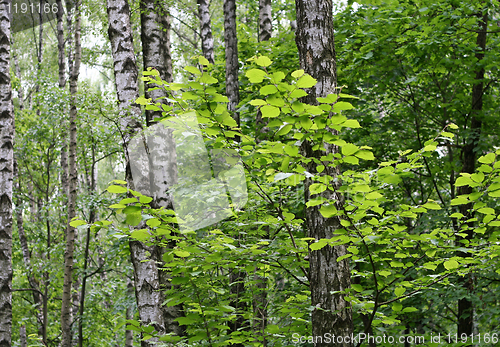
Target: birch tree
(207,40)
(265,20)
(315,42)
(6,178)
(66,319)
(146,277)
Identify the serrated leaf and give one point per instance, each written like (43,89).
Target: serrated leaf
(317,188)
(203,61)
(384,273)
(328,211)
(373,196)
(431,205)
(181,253)
(133,219)
(257,102)
(145,199)
(349,149)
(269,89)
(399,291)
(116,189)
(153,222)
(141,234)
(486,210)
(487,159)
(77,223)
(341,106)
(192,70)
(270,111)
(256,75)
(463,181)
(285,129)
(207,79)
(351,123)
(365,155)
(450,264)
(263,61)
(297,73)
(318,245)
(397,306)
(306,81)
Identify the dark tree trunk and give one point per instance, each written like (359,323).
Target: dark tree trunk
(315,43)
(207,41)
(66,307)
(237,280)
(23,240)
(6,179)
(265,20)
(232,67)
(465,305)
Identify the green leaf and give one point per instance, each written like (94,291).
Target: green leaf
(477,177)
(463,181)
(384,273)
(153,222)
(318,245)
(141,234)
(207,79)
(270,111)
(487,159)
(328,211)
(77,223)
(351,123)
(432,205)
(317,188)
(297,73)
(486,210)
(203,61)
(133,218)
(263,61)
(357,287)
(256,75)
(306,81)
(269,89)
(192,70)
(116,189)
(453,126)
(460,200)
(143,101)
(257,102)
(397,306)
(373,196)
(349,149)
(181,253)
(365,155)
(285,129)
(399,291)
(145,199)
(451,264)
(341,106)
(363,188)
(117,206)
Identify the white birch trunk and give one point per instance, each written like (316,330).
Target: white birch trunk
(6,179)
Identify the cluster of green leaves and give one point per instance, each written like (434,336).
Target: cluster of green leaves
(392,263)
